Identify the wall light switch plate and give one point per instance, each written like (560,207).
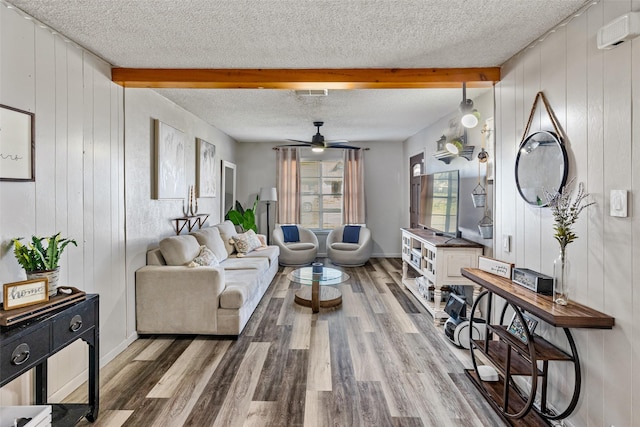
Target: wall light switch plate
(506,242)
(618,203)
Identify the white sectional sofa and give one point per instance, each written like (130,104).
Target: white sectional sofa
(175,298)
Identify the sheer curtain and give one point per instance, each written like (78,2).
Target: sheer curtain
(353,211)
(288,179)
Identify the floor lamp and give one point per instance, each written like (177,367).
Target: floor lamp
(268,195)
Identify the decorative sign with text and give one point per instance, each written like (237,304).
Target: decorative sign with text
(493,266)
(22,294)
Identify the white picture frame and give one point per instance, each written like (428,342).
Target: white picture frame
(206,169)
(17,144)
(170,181)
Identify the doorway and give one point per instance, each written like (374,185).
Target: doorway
(416,168)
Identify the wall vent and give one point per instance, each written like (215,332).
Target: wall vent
(312,92)
(621,29)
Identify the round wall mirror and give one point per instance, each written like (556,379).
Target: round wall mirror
(541,165)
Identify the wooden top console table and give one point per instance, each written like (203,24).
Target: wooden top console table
(29,344)
(513,357)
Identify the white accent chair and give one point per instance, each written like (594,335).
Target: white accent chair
(296,254)
(349,254)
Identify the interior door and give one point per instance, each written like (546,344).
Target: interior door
(416,168)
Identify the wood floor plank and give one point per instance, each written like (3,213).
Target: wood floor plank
(190,359)
(261,414)
(108,419)
(402,320)
(236,405)
(154,349)
(366,365)
(176,410)
(319,374)
(373,408)
(406,301)
(301,331)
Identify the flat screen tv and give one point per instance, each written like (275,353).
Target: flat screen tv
(439,202)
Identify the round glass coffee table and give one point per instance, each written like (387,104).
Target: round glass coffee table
(318,291)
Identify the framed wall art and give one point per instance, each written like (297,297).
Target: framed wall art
(170,182)
(17,144)
(206,168)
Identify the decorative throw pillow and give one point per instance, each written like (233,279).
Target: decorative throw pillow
(206,258)
(351,234)
(246,242)
(290,233)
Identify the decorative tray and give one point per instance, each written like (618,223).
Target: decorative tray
(12,317)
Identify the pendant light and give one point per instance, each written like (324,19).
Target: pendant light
(470,116)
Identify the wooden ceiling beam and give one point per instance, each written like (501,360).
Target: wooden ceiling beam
(337,78)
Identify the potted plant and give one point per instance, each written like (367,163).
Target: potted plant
(246,218)
(40,261)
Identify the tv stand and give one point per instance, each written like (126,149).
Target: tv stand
(437,260)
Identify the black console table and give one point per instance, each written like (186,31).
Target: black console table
(29,344)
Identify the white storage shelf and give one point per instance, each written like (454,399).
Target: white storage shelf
(439,265)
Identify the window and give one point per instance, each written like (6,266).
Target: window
(321,177)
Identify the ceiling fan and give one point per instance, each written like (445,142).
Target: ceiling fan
(318,142)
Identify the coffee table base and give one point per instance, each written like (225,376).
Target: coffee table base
(328,297)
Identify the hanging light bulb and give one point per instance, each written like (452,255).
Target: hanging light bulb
(317,149)
(470,116)
(454,146)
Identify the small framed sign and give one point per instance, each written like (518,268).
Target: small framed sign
(516,328)
(28,292)
(494,266)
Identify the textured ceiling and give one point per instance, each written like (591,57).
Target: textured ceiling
(306,34)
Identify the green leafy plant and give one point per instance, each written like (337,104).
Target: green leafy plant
(246,218)
(34,256)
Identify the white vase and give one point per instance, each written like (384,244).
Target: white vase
(52,275)
(561,270)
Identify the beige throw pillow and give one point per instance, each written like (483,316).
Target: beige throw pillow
(206,258)
(246,242)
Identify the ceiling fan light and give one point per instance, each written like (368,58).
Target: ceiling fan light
(317,149)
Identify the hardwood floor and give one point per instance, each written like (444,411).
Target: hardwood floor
(377,360)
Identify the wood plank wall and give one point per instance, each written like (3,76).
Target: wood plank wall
(592,93)
(79,187)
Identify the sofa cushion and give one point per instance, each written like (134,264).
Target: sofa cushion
(345,246)
(179,250)
(227,231)
(269,252)
(206,258)
(300,246)
(290,233)
(246,263)
(240,285)
(211,238)
(246,242)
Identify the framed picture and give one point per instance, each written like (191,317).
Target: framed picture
(170,182)
(17,144)
(206,168)
(28,292)
(516,328)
